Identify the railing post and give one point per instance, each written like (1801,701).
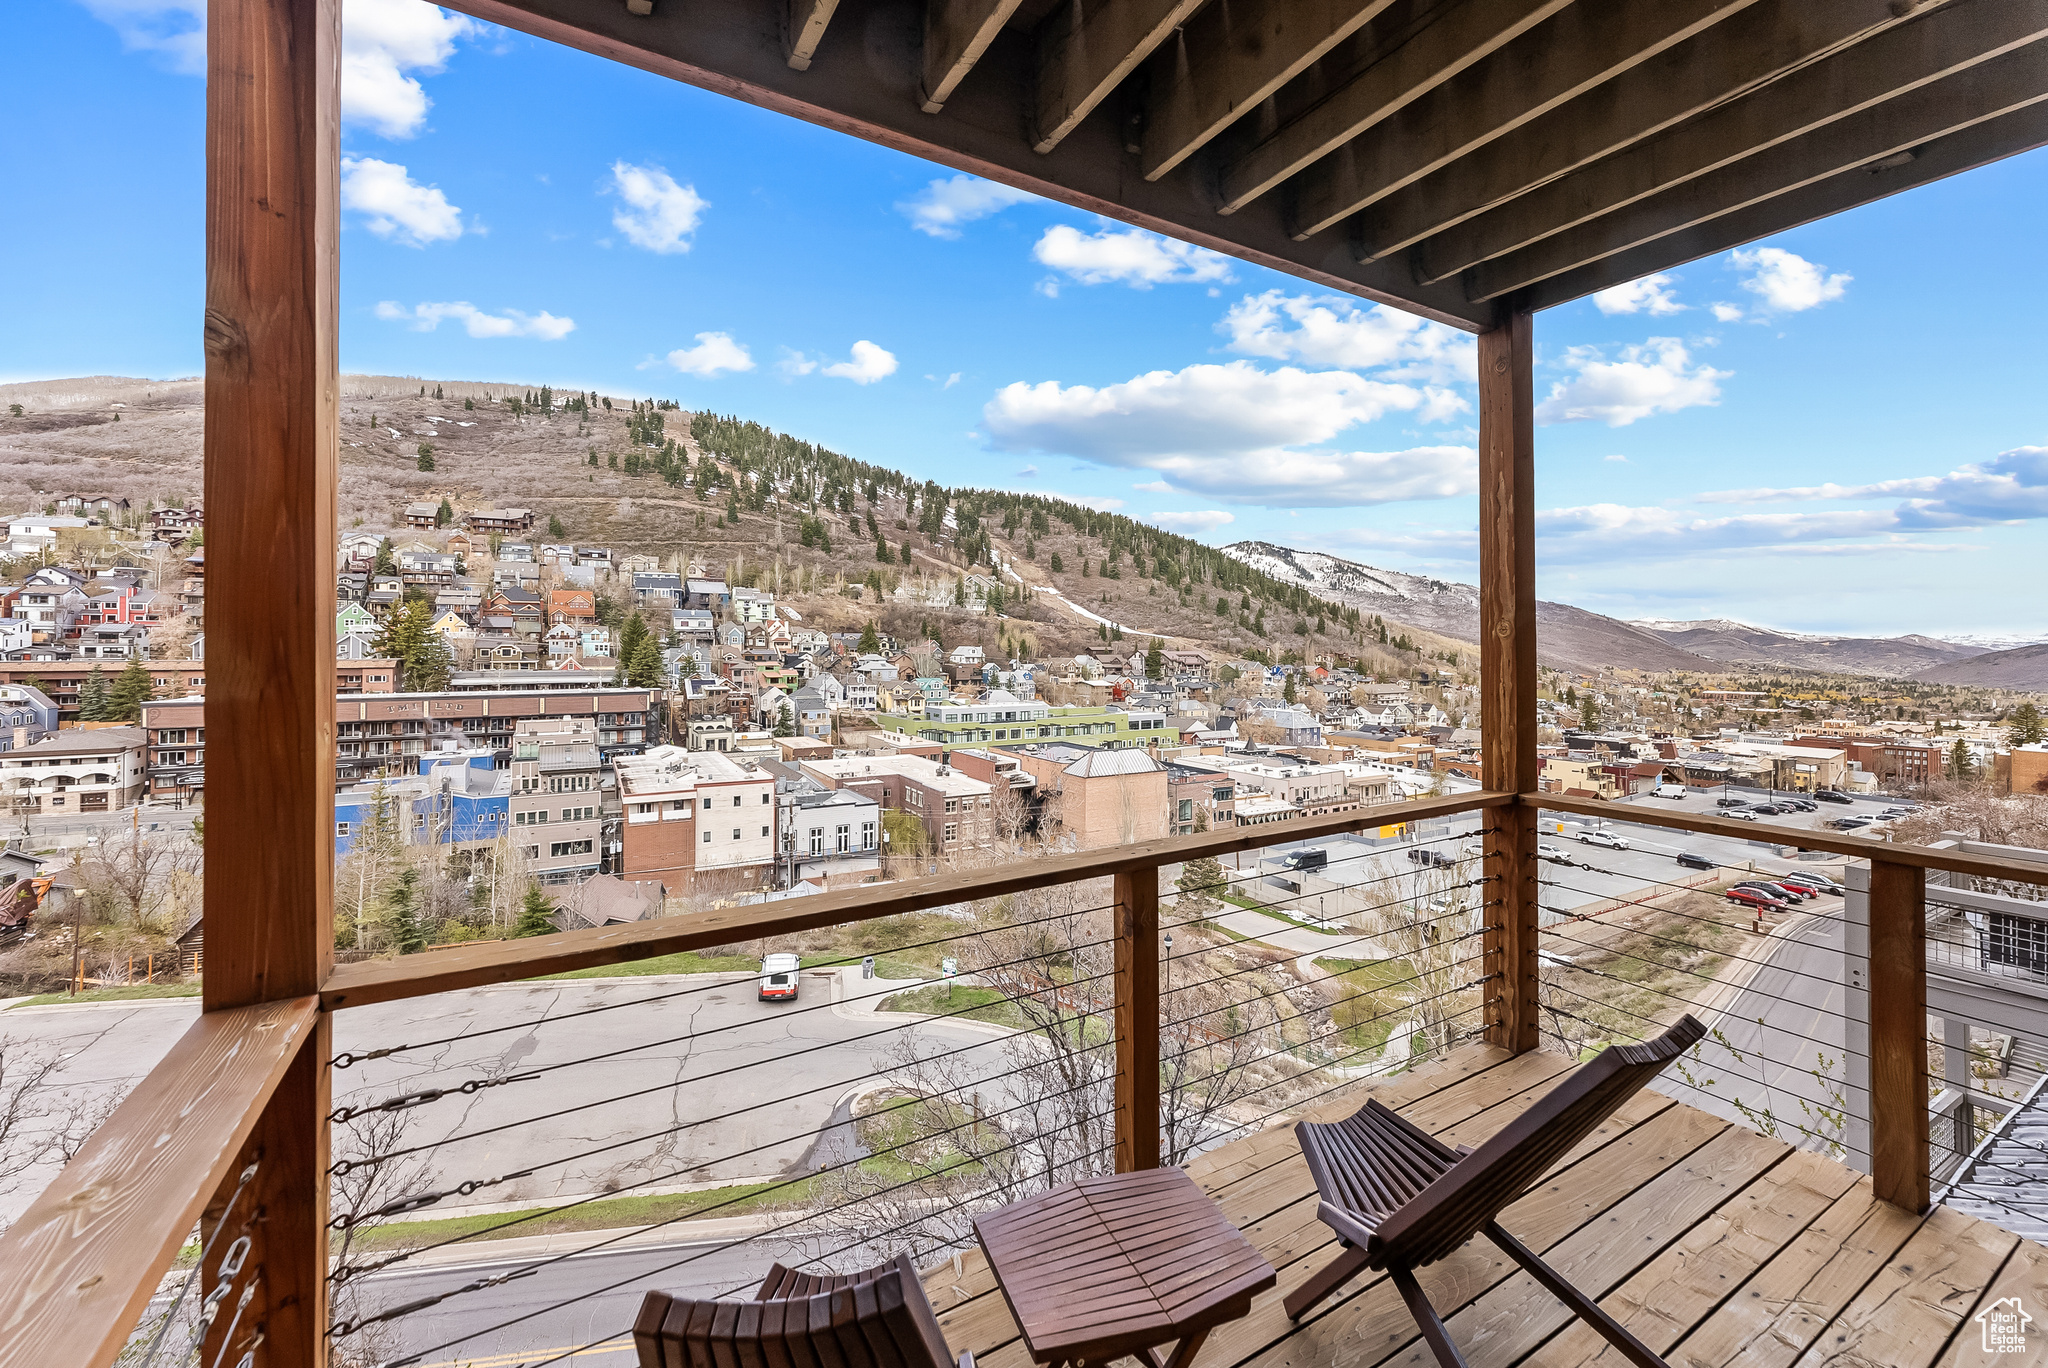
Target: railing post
(1898,1034)
(1137,1020)
(1507,670)
(273,225)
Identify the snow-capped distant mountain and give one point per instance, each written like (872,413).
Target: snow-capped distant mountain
(1566,637)
(1725,639)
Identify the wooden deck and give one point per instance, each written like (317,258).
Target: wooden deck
(1712,1243)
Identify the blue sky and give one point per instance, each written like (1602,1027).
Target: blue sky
(1841,430)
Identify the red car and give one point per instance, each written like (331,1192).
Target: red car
(1792,892)
(1750,897)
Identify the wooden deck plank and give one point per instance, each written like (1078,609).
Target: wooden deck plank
(1677,1290)
(1905,1314)
(1519,1313)
(2025,1276)
(1784,1307)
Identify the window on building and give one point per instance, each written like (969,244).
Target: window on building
(735,800)
(341,830)
(867,835)
(843,839)
(952,805)
(952,832)
(1187,810)
(767,798)
(707,838)
(817,840)
(562,848)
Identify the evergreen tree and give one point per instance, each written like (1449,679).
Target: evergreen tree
(386,564)
(1589,713)
(2024,727)
(445,514)
(407,636)
(1961,764)
(534,911)
(906,553)
(643,666)
(402,914)
(1287,692)
(785,721)
(132,688)
(92,697)
(1155,660)
(870,640)
(1058,567)
(1200,882)
(882,552)
(555,528)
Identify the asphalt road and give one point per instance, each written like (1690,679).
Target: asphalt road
(44,831)
(681,1082)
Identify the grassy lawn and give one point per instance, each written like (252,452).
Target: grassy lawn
(1374,991)
(1253,905)
(607,1213)
(980,1004)
(123,993)
(1650,967)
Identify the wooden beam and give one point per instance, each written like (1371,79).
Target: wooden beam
(1744,51)
(1085,49)
(356,985)
(1467,32)
(84,1260)
(724,46)
(1975,146)
(1137,1020)
(1573,53)
(956,34)
(1229,59)
(1507,668)
(1883,96)
(1834,842)
(804,24)
(273,239)
(1898,1034)
(273,152)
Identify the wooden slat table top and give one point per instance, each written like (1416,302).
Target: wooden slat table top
(1103,1266)
(1723,1251)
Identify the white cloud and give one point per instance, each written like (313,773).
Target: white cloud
(794,362)
(1206,520)
(1616,457)
(868,364)
(654,212)
(1651,295)
(715,354)
(1785,282)
(944,205)
(383,40)
(395,206)
(1029,472)
(1131,256)
(510,323)
(1727,313)
(1329,330)
(1656,377)
(2011,487)
(172,30)
(1237,433)
(951,381)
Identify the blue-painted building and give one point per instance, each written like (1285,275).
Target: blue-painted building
(458,798)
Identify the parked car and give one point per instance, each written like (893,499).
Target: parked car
(1830,796)
(1817,882)
(1555,854)
(1694,860)
(1770,810)
(1750,897)
(1731,802)
(1803,804)
(1669,791)
(1429,857)
(1307,859)
(1790,892)
(1603,838)
(1739,815)
(1849,823)
(778,978)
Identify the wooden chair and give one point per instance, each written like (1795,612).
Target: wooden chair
(1399,1198)
(876,1319)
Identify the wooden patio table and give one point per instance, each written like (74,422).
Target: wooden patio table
(1120,1265)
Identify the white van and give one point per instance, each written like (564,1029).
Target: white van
(778,978)
(1670,791)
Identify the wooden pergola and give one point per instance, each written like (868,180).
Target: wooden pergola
(1469,160)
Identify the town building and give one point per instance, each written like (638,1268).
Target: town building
(1092,798)
(1199,799)
(953,808)
(88,769)
(699,821)
(830,837)
(557,797)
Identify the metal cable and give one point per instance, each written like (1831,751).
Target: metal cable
(1703,949)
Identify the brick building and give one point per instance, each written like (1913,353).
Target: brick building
(699,821)
(954,808)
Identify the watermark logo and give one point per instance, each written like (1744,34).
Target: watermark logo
(2005,1324)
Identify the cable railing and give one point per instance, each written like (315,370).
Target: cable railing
(939,1129)
(509,1169)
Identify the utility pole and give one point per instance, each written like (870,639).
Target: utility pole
(77,923)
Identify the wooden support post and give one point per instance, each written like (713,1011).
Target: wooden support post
(1898,1034)
(1507,669)
(273,149)
(1137,1020)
